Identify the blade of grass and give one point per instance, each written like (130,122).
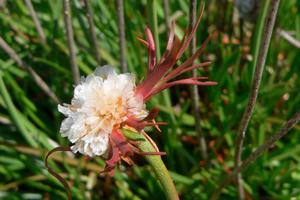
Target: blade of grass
(57,157)
(128,193)
(39,81)
(258,34)
(13,113)
(28,106)
(152,22)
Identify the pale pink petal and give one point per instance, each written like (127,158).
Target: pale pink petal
(169,45)
(143,41)
(176,72)
(189,81)
(187,62)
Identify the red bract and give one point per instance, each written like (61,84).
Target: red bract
(140,124)
(159,74)
(120,145)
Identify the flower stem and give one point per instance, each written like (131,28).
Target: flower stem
(155,161)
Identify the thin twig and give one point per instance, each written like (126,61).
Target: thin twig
(39,81)
(92,30)
(56,175)
(288,37)
(71,43)
(121,24)
(269,143)
(270,21)
(167,15)
(194,88)
(36,21)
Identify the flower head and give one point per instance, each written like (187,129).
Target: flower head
(101,103)
(104,102)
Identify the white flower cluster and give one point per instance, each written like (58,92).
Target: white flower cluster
(101,102)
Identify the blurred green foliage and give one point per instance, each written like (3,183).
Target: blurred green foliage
(30,121)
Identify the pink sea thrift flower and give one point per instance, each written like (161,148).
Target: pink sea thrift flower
(104,102)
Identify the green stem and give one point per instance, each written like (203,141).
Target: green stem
(156,163)
(258,34)
(152,22)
